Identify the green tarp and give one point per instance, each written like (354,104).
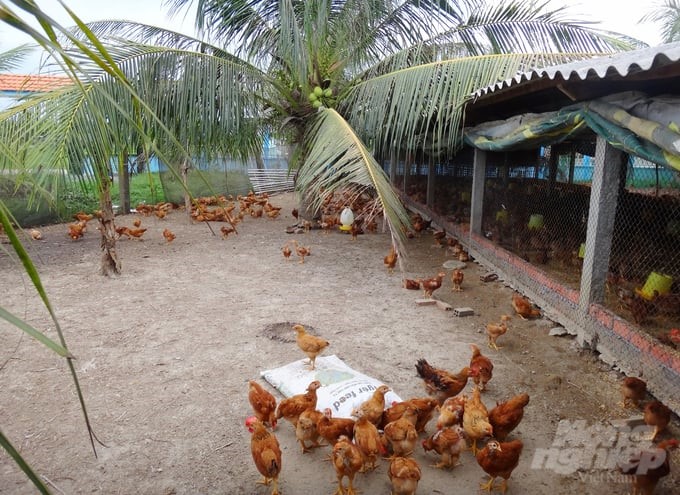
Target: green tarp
(628,122)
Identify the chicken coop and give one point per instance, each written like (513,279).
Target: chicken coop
(569,188)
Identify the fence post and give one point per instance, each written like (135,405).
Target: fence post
(604,195)
(430,182)
(477,197)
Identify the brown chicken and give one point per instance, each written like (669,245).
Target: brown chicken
(448,443)
(401,433)
(372,409)
(429,285)
(311,345)
(451,412)
(77,230)
(424,406)
(287,251)
(633,390)
(390,260)
(136,233)
(263,403)
(347,461)
(495,330)
(290,408)
(481,366)
(302,251)
(498,460)
(137,223)
(81,216)
(524,308)
(266,453)
(476,419)
(306,429)
(331,429)
(411,284)
(658,415)
(457,277)
(160,213)
(505,417)
(368,440)
(226,231)
(35,234)
(169,235)
(404,473)
(647,466)
(440,383)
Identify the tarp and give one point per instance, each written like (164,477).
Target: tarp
(640,126)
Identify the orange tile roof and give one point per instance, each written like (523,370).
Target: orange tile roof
(31,83)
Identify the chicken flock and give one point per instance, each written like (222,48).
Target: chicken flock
(394,433)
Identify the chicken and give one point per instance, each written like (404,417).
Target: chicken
(348,461)
(372,409)
(137,223)
(424,406)
(285,249)
(499,460)
(448,443)
(495,330)
(524,308)
(476,419)
(77,230)
(263,403)
(390,260)
(306,429)
(411,284)
(136,233)
(368,440)
(481,366)
(402,434)
(121,231)
(81,216)
(457,277)
(633,390)
(302,251)
(169,235)
(429,285)
(226,231)
(440,383)
(36,235)
(658,415)
(295,213)
(451,411)
(290,408)
(507,415)
(331,429)
(266,453)
(311,345)
(647,466)
(404,473)
(160,213)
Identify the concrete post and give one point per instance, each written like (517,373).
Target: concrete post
(477,198)
(604,194)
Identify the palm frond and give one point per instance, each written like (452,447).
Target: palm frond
(12,58)
(422,106)
(338,160)
(667,14)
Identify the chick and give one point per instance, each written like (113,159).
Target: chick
(309,344)
(404,473)
(633,390)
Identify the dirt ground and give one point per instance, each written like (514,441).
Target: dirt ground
(164,352)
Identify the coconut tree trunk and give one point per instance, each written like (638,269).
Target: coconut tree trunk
(110,264)
(184,171)
(123,183)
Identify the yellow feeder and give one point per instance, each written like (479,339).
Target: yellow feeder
(657,284)
(582,250)
(536,221)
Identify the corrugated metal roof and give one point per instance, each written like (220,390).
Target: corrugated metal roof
(622,64)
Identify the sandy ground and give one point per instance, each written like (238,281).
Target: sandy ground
(164,352)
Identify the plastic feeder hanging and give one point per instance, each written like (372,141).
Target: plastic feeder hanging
(346,220)
(656,284)
(536,221)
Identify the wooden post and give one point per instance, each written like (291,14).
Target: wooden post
(430,183)
(477,198)
(604,194)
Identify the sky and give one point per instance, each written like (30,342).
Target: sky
(615,15)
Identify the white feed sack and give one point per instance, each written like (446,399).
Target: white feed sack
(342,388)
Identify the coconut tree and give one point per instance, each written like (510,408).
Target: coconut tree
(342,80)
(667,14)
